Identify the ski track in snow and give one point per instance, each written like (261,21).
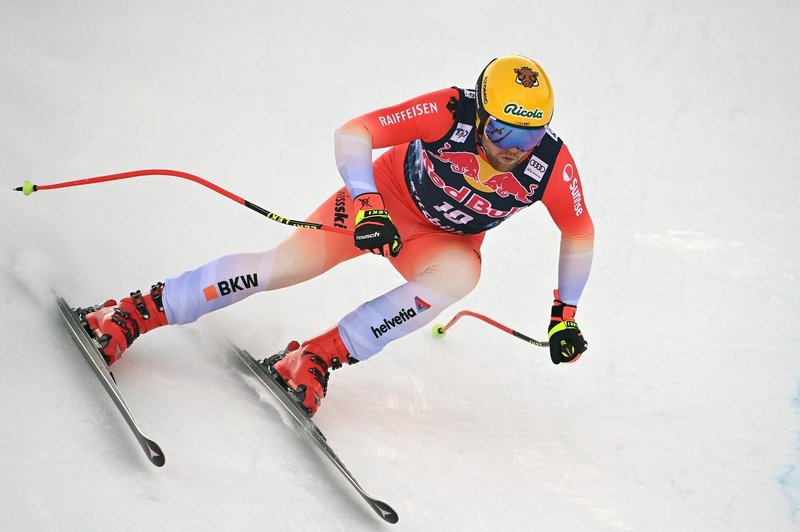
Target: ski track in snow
(683,415)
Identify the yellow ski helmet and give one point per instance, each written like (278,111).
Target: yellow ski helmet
(515,90)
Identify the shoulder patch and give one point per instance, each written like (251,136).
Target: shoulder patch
(461,133)
(536,168)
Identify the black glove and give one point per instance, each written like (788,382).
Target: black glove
(566,341)
(375,231)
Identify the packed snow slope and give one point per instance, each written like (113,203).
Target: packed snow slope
(682,416)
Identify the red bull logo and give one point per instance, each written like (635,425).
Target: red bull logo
(506,184)
(468,164)
(461,162)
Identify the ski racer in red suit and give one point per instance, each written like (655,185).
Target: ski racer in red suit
(460,162)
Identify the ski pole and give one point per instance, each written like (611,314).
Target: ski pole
(440,330)
(29,188)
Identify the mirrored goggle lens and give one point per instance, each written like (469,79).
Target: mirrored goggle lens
(506,136)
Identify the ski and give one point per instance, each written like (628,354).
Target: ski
(301,418)
(76,325)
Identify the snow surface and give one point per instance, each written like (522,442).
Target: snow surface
(683,415)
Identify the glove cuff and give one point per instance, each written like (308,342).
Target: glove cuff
(562,311)
(368,202)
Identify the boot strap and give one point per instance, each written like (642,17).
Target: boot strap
(122,318)
(141,306)
(155,294)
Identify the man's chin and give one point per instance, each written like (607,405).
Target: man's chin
(503,165)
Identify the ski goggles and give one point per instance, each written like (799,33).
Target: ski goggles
(506,136)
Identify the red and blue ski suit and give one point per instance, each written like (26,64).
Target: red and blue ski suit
(442,195)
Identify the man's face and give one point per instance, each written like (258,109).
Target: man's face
(500,159)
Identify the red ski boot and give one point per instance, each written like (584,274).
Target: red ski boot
(305,369)
(116,326)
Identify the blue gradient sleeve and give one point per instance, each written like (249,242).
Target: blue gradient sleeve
(354,161)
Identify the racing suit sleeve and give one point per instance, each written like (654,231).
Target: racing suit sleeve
(566,204)
(427,117)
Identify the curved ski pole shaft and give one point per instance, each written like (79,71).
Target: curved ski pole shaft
(440,330)
(29,188)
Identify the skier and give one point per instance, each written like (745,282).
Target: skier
(460,162)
